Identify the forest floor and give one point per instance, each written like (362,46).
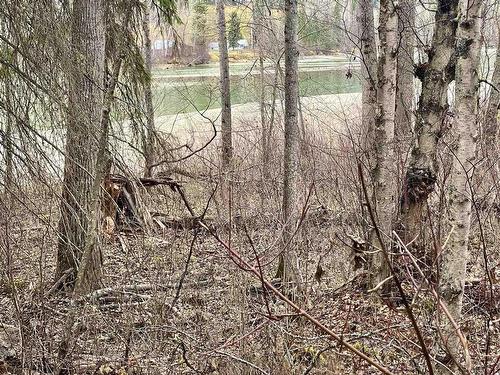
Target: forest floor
(177,303)
(195,311)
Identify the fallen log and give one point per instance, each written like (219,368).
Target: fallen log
(146,181)
(185,223)
(123,289)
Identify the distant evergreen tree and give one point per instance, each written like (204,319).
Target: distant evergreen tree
(234,30)
(199,31)
(199,28)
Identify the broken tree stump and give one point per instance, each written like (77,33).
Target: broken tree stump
(120,203)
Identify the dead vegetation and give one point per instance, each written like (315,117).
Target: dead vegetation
(173,300)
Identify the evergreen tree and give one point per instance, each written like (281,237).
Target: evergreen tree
(234,30)
(199,31)
(200,10)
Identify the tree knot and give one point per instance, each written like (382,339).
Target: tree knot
(419,183)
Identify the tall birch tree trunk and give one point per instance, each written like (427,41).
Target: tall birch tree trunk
(383,176)
(227,143)
(465,129)
(149,141)
(288,269)
(86,77)
(435,75)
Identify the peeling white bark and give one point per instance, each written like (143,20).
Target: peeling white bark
(465,130)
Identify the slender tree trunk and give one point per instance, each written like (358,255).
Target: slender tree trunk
(465,129)
(227,143)
(86,78)
(176,48)
(405,88)
(368,51)
(267,120)
(383,176)
(149,142)
(258,17)
(7,146)
(288,269)
(435,75)
(7,139)
(490,129)
(265,152)
(255,24)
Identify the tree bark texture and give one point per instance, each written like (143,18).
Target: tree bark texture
(435,75)
(7,139)
(368,51)
(149,142)
(489,143)
(465,130)
(490,130)
(227,143)
(383,176)
(405,88)
(291,178)
(258,18)
(85,102)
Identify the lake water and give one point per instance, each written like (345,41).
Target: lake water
(184,90)
(188,89)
